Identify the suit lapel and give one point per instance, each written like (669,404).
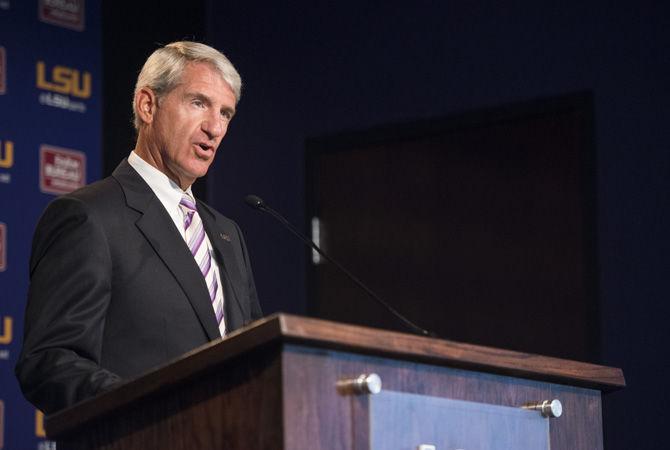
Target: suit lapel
(158,228)
(222,240)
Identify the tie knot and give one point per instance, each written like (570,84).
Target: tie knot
(187,203)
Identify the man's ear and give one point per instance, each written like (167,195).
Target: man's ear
(146,103)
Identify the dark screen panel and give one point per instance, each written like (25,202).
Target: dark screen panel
(479,227)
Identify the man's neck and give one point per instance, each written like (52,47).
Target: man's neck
(149,150)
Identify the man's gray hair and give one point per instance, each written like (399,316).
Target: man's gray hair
(163,70)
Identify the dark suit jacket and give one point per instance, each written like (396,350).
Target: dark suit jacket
(114,290)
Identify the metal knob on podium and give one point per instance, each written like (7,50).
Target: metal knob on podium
(548,408)
(364,384)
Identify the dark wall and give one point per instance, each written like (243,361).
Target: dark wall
(311,70)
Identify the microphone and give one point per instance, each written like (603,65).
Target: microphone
(256,202)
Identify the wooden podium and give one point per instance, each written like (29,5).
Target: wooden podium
(273,385)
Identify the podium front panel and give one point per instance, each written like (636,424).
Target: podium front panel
(317,416)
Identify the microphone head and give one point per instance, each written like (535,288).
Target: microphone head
(254,201)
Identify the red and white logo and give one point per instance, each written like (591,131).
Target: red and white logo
(64,13)
(61,170)
(3,71)
(3,248)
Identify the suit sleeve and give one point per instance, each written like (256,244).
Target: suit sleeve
(70,290)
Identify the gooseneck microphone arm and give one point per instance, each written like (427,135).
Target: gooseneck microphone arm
(257,203)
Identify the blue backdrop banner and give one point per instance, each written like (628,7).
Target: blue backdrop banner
(50,128)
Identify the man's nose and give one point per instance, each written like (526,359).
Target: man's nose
(214,126)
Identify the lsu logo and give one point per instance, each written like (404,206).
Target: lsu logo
(3,71)
(3,246)
(64,80)
(6,331)
(63,13)
(6,154)
(61,170)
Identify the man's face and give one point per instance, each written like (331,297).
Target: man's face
(190,122)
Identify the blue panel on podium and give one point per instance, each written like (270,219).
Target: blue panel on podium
(401,421)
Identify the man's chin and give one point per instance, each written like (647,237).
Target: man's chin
(198,171)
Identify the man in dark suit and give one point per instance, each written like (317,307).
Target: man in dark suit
(131,272)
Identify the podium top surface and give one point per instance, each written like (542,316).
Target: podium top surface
(316,333)
(373,341)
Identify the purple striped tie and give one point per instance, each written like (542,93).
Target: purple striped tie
(194,234)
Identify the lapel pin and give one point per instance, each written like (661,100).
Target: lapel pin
(225,237)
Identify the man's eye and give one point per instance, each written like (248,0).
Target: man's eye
(199,103)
